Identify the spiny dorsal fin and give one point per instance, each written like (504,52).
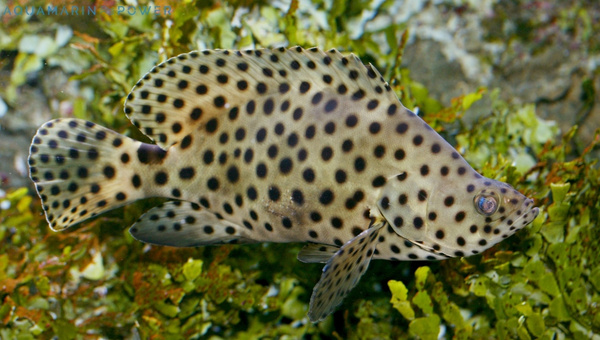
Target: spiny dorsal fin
(78,170)
(342,272)
(185,224)
(190,91)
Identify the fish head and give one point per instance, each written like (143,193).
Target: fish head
(487,212)
(457,219)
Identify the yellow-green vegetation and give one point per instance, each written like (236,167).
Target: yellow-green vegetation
(96,281)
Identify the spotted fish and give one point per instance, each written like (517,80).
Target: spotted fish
(281,145)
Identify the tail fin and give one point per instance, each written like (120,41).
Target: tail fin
(81,169)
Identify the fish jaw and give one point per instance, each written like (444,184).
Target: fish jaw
(513,212)
(460,216)
(529,214)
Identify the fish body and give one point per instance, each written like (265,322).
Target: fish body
(282,145)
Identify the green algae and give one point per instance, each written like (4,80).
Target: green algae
(96,281)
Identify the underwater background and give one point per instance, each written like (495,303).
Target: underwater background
(511,84)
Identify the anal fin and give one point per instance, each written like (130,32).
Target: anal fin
(185,224)
(342,272)
(316,253)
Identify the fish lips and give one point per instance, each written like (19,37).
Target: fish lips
(529,214)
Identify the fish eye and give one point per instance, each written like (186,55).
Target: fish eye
(486,203)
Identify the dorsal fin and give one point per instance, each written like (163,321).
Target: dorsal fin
(186,93)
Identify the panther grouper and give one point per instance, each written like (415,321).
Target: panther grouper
(281,145)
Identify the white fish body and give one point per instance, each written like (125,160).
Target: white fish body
(283,145)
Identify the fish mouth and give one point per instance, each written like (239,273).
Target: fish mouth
(529,214)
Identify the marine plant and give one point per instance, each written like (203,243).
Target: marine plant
(96,281)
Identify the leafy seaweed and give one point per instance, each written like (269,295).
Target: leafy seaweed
(96,281)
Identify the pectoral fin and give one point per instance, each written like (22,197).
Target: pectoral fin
(342,272)
(316,253)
